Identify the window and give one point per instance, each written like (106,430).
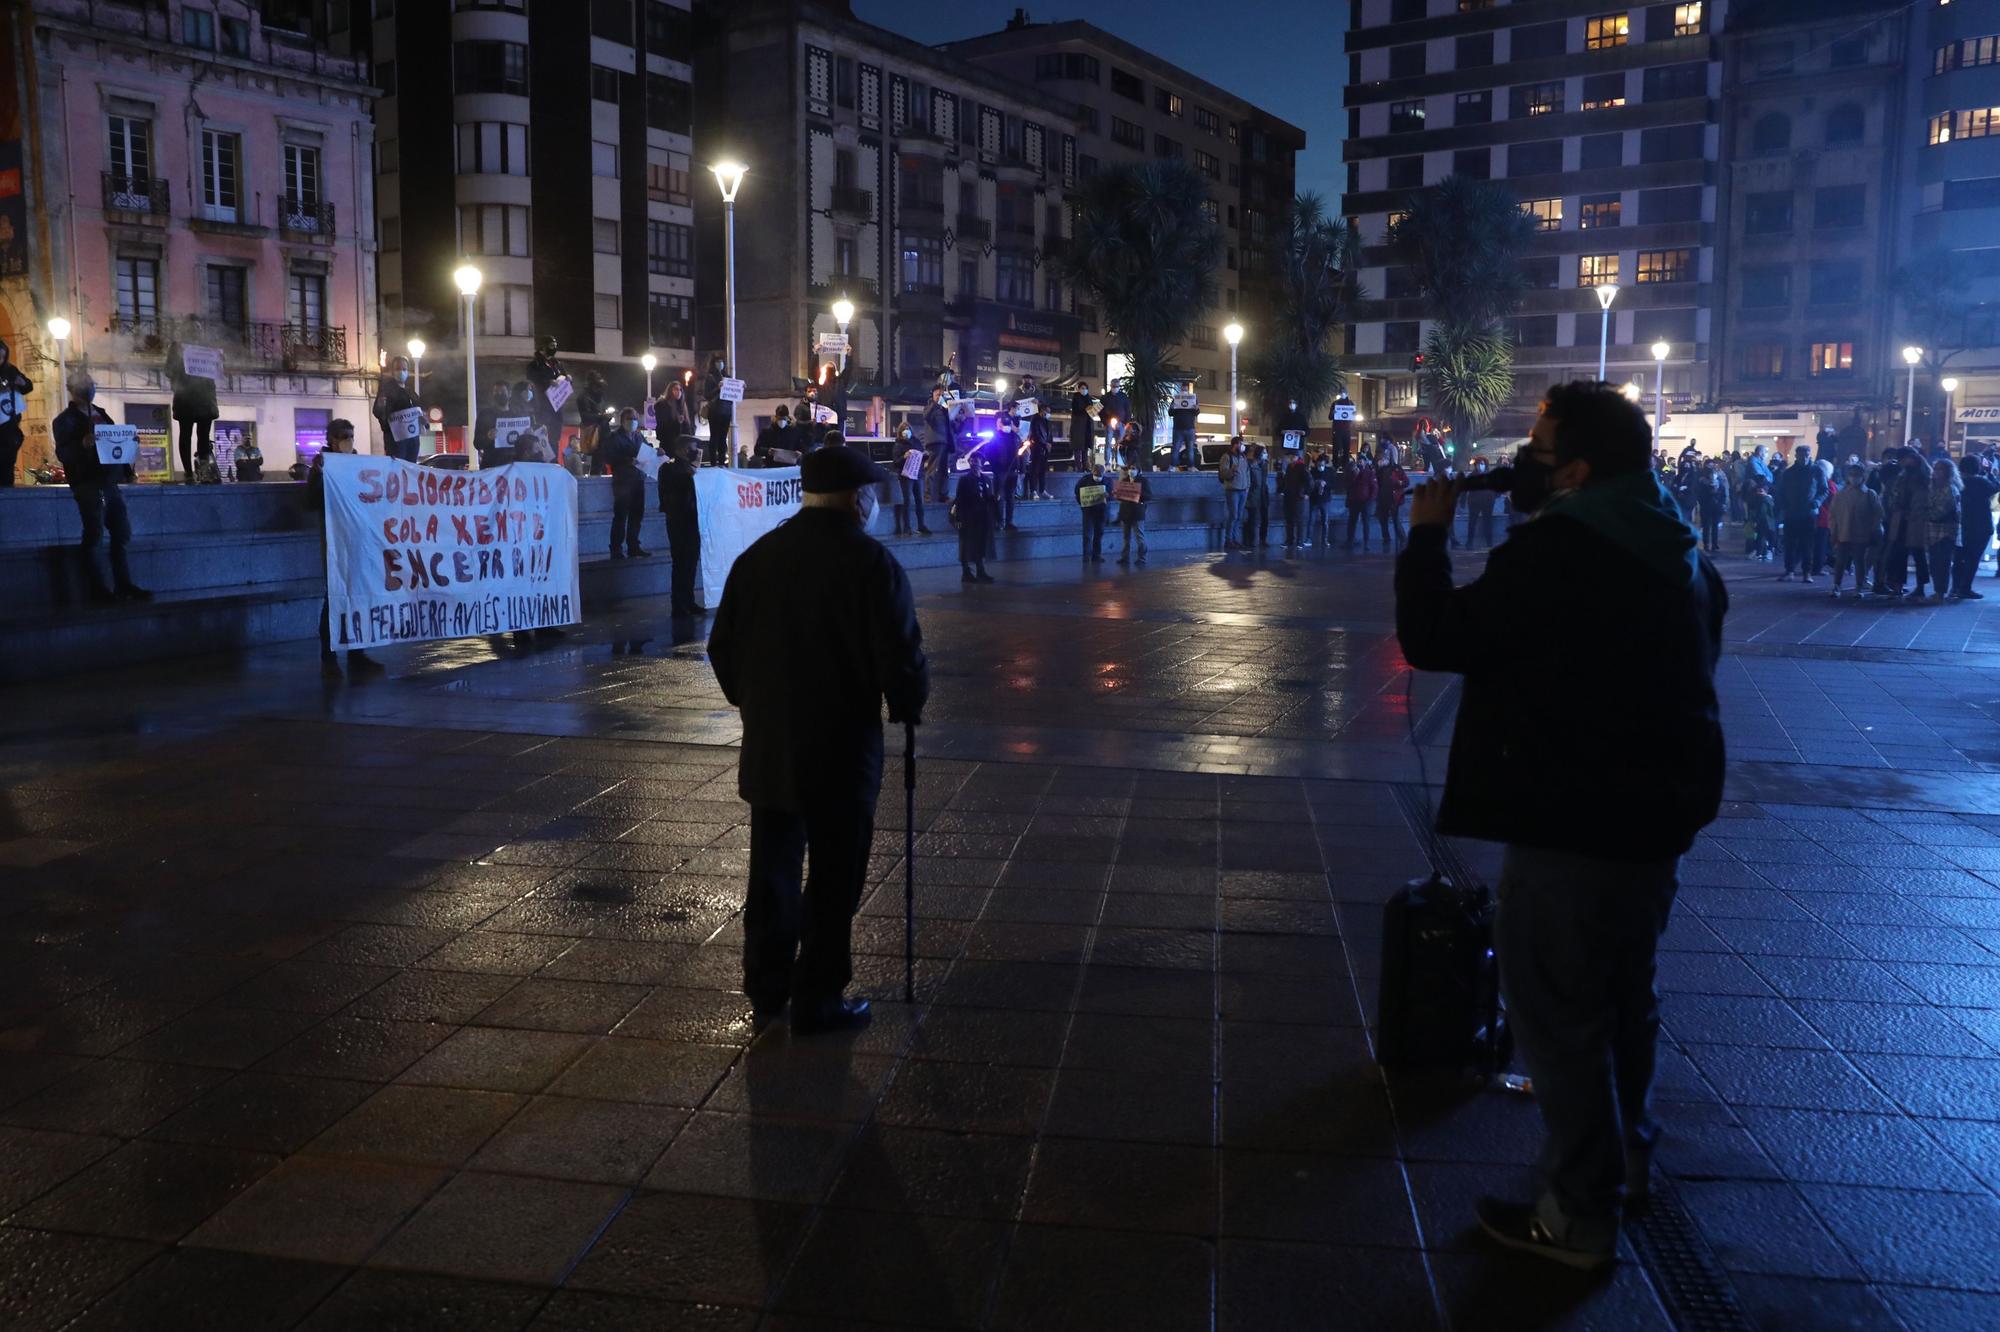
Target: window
(669,104)
(1595,270)
(603,159)
(1068,65)
(1834,282)
(1847,52)
(1473,108)
(1830,360)
(1766,286)
(1535,331)
(302,173)
(1548,213)
(305,301)
(1406,173)
(1168,148)
(1401,335)
(1845,124)
(1406,62)
(1202,337)
(1126,133)
(1474,162)
(669,249)
(1013,279)
(1837,207)
(923,264)
(496,229)
(1764,360)
(1538,41)
(1474,52)
(669,319)
(1965,54)
(138,294)
(1597,210)
(1672,143)
(1690,20)
(1127,85)
(604,84)
(843,82)
(1601,92)
(198,28)
(1535,99)
(1601,34)
(1768,213)
(1979,192)
(226,295)
(667,182)
(491,67)
(846,259)
(1207,121)
(1771,134)
(506,310)
(236,36)
(221,176)
(492,148)
(1670,83)
(130,150)
(1601,150)
(1208,164)
(669,31)
(1399,283)
(1939,129)
(1406,117)
(1541,158)
(1541,272)
(1679,203)
(604,235)
(604,310)
(1168,103)
(1665,266)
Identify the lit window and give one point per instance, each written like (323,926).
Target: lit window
(1830,359)
(1596,270)
(1689,21)
(1764,360)
(1602,33)
(1597,210)
(1665,266)
(1548,213)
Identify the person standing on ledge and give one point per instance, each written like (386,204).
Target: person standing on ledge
(1589,744)
(677,502)
(194,412)
(94,487)
(14,390)
(620,449)
(818,601)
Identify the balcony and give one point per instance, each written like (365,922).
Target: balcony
(143,195)
(852,203)
(246,345)
(305,217)
(972,227)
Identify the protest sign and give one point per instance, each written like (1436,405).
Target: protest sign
(505,428)
(117,445)
(201,362)
(731,390)
(559,393)
(1026,407)
(1294,440)
(416,553)
(406,424)
(1185,402)
(1343,411)
(824,415)
(1128,492)
(1090,496)
(733,509)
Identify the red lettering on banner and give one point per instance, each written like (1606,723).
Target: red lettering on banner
(462,528)
(482,524)
(750,495)
(392,565)
(371,486)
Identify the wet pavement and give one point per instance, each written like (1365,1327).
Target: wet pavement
(409,1003)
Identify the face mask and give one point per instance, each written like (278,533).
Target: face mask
(869,503)
(402,376)
(90,394)
(1534,482)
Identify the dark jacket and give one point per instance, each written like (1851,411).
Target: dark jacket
(390,398)
(1556,641)
(194,396)
(1800,491)
(13,381)
(1295,480)
(620,451)
(673,418)
(1117,406)
(1292,419)
(816,628)
(1975,509)
(677,493)
(75,434)
(1131,513)
(1081,428)
(774,436)
(937,421)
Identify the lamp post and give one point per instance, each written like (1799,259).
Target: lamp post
(59,330)
(1911,355)
(843,314)
(1607,292)
(1232,335)
(649,361)
(416,349)
(1950,386)
(467,277)
(1660,350)
(729,179)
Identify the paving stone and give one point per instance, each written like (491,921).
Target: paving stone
(374,1300)
(52,1277)
(502,1228)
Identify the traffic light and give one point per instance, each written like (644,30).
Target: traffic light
(1416,363)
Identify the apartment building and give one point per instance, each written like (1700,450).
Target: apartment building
(197,175)
(1601,120)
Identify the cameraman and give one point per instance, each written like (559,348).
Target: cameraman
(1588,743)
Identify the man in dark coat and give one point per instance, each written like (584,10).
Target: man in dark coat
(973,509)
(720,413)
(620,449)
(492,452)
(542,373)
(94,487)
(816,629)
(14,390)
(392,397)
(1589,743)
(677,502)
(1801,489)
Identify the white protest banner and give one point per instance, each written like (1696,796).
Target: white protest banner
(1343,411)
(416,553)
(731,390)
(117,445)
(1294,440)
(824,415)
(1185,402)
(406,424)
(201,362)
(833,342)
(1026,407)
(732,510)
(505,428)
(558,393)
(12,405)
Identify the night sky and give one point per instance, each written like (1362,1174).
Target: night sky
(1282,55)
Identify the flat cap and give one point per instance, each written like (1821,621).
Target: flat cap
(836,468)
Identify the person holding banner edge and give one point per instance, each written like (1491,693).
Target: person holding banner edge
(339,439)
(818,600)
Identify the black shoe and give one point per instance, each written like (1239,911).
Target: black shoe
(830,1015)
(133,592)
(982,577)
(617,554)
(965,576)
(1517,1226)
(637,554)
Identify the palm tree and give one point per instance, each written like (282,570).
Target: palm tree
(1145,254)
(1317,258)
(1463,241)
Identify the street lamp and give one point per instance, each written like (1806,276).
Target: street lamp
(729,179)
(59,330)
(843,315)
(1607,292)
(1950,386)
(415,347)
(649,361)
(1911,355)
(1232,335)
(467,277)
(1660,350)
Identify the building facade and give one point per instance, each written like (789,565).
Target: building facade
(1132,106)
(928,192)
(193,176)
(1600,120)
(548,145)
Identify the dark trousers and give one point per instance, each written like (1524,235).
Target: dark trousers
(1968,560)
(1392,529)
(10,453)
(1798,544)
(628,509)
(194,443)
(796,931)
(1897,568)
(715,451)
(1478,521)
(1711,529)
(1260,518)
(684,549)
(1316,521)
(1295,519)
(1944,559)
(102,509)
(1357,517)
(1576,938)
(910,513)
(1822,548)
(943,456)
(1093,532)
(1007,497)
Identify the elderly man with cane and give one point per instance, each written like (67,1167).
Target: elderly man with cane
(816,629)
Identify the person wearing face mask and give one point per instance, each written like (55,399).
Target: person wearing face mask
(673,415)
(1233,475)
(194,411)
(816,600)
(542,374)
(910,483)
(94,487)
(339,439)
(1292,419)
(393,396)
(620,448)
(14,390)
(1600,599)
(677,503)
(1319,494)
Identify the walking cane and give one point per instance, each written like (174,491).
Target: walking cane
(909,862)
